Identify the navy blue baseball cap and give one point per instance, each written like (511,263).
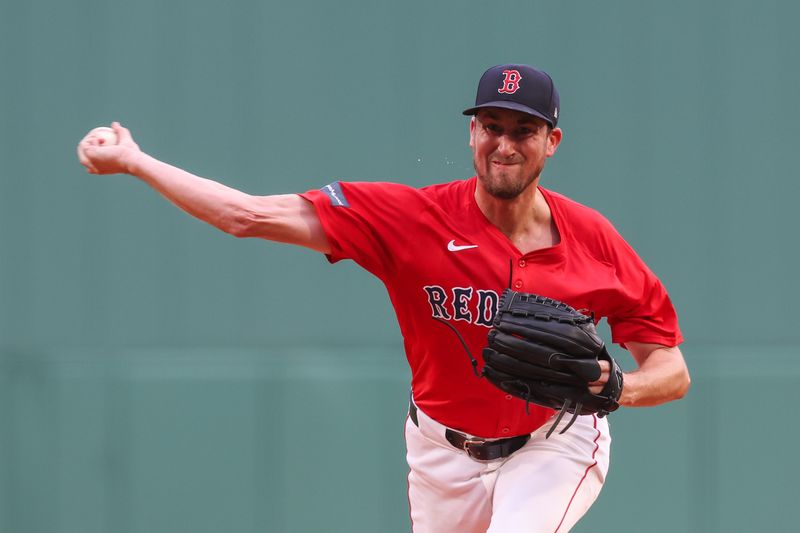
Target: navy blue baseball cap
(518,87)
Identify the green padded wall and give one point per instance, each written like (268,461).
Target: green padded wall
(156,374)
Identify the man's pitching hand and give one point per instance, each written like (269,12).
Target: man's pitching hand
(99,158)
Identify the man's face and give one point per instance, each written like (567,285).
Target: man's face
(509,149)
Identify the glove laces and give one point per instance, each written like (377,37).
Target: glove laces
(472,359)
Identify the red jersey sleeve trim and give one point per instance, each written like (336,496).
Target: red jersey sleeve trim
(316,198)
(647,336)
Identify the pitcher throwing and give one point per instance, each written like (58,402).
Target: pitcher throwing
(480,451)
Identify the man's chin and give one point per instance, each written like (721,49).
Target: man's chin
(502,185)
(503,193)
(504,189)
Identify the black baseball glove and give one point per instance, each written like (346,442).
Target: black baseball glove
(547,353)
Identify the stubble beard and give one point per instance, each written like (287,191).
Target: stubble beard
(503,186)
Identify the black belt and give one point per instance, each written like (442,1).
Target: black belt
(477,448)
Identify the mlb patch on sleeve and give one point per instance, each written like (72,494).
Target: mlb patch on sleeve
(334,192)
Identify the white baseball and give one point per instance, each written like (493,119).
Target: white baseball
(105,136)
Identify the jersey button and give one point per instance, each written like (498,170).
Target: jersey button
(508,396)
(505,430)
(522,263)
(518,284)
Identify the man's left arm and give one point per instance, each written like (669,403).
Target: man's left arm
(661,376)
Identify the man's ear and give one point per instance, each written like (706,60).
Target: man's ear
(472,127)
(553,140)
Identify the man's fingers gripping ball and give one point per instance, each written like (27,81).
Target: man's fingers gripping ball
(103,149)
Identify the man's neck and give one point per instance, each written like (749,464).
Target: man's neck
(513,216)
(526,220)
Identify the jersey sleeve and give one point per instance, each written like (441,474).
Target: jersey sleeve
(642,310)
(367,222)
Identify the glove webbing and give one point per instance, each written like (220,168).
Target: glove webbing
(582,317)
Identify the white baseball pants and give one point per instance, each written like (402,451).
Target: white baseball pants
(544,487)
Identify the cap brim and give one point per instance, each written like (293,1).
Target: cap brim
(508,105)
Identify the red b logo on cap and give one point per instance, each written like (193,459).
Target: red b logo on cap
(510,82)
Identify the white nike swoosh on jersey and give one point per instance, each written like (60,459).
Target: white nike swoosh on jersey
(453,247)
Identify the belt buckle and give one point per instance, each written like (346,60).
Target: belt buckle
(472,441)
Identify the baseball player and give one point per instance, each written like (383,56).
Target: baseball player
(479,460)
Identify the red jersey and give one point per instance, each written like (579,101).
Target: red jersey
(439,256)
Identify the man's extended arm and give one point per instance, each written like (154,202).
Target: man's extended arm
(283,218)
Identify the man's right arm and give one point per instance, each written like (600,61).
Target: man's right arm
(282,218)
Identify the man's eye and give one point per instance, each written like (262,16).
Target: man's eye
(524,132)
(494,128)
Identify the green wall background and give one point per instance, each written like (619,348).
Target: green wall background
(157,375)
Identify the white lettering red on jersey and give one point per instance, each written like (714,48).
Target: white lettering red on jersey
(510,82)
(439,256)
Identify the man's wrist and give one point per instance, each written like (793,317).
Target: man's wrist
(132,161)
(628,396)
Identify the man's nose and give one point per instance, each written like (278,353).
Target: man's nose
(506,146)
